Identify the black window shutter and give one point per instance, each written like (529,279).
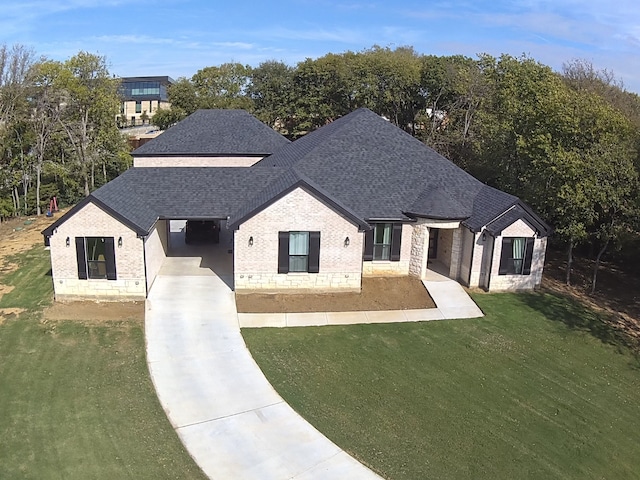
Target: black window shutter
(283,252)
(528,256)
(505,256)
(81,255)
(314,252)
(396,240)
(368,245)
(110,258)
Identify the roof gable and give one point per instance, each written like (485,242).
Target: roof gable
(283,185)
(215,132)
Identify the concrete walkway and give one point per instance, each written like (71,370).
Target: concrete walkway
(450,298)
(228,416)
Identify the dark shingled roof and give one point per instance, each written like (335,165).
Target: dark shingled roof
(379,171)
(518,212)
(360,165)
(215,132)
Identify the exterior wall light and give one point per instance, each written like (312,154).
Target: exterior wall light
(120,242)
(484,236)
(347,242)
(251,241)
(67,241)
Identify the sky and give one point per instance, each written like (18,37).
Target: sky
(180,37)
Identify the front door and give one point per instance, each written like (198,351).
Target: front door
(433,242)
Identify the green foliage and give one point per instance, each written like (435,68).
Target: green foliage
(166,117)
(538,388)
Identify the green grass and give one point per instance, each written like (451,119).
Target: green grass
(76,401)
(539,388)
(32,281)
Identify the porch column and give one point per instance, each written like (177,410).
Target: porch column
(419,251)
(456,250)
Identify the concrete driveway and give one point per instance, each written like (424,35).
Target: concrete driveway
(226,413)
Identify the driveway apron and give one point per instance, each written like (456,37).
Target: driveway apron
(228,416)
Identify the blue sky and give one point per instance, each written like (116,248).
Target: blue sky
(179,37)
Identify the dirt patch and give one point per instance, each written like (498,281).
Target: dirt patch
(6,313)
(617,292)
(94,312)
(20,234)
(378,293)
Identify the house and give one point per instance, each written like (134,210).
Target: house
(142,95)
(356,197)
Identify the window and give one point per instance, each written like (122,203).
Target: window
(96,258)
(298,252)
(150,106)
(516,256)
(382,242)
(138,107)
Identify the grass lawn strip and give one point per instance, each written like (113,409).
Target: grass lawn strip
(76,398)
(530,391)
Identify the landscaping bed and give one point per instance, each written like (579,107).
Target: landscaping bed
(378,293)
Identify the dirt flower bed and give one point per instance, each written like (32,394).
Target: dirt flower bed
(378,293)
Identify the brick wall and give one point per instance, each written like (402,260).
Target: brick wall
(195,161)
(155,249)
(477,273)
(256,266)
(91,221)
(467,247)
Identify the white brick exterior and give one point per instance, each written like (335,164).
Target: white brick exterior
(393,268)
(91,221)
(256,266)
(518,282)
(217,161)
(155,250)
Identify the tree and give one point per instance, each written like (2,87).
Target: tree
(223,87)
(166,117)
(270,90)
(45,102)
(91,104)
(183,97)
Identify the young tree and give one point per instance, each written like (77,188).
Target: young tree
(45,102)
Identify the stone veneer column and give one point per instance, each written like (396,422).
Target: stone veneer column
(456,249)
(419,251)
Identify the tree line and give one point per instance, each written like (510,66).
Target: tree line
(58,136)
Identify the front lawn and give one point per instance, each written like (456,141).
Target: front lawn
(76,401)
(536,389)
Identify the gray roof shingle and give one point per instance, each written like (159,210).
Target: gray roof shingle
(361,165)
(215,132)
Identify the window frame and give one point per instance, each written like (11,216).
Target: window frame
(91,268)
(285,256)
(511,263)
(382,249)
(395,242)
(299,261)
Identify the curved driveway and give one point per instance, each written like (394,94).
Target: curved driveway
(226,413)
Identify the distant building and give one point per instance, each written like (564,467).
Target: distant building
(141,97)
